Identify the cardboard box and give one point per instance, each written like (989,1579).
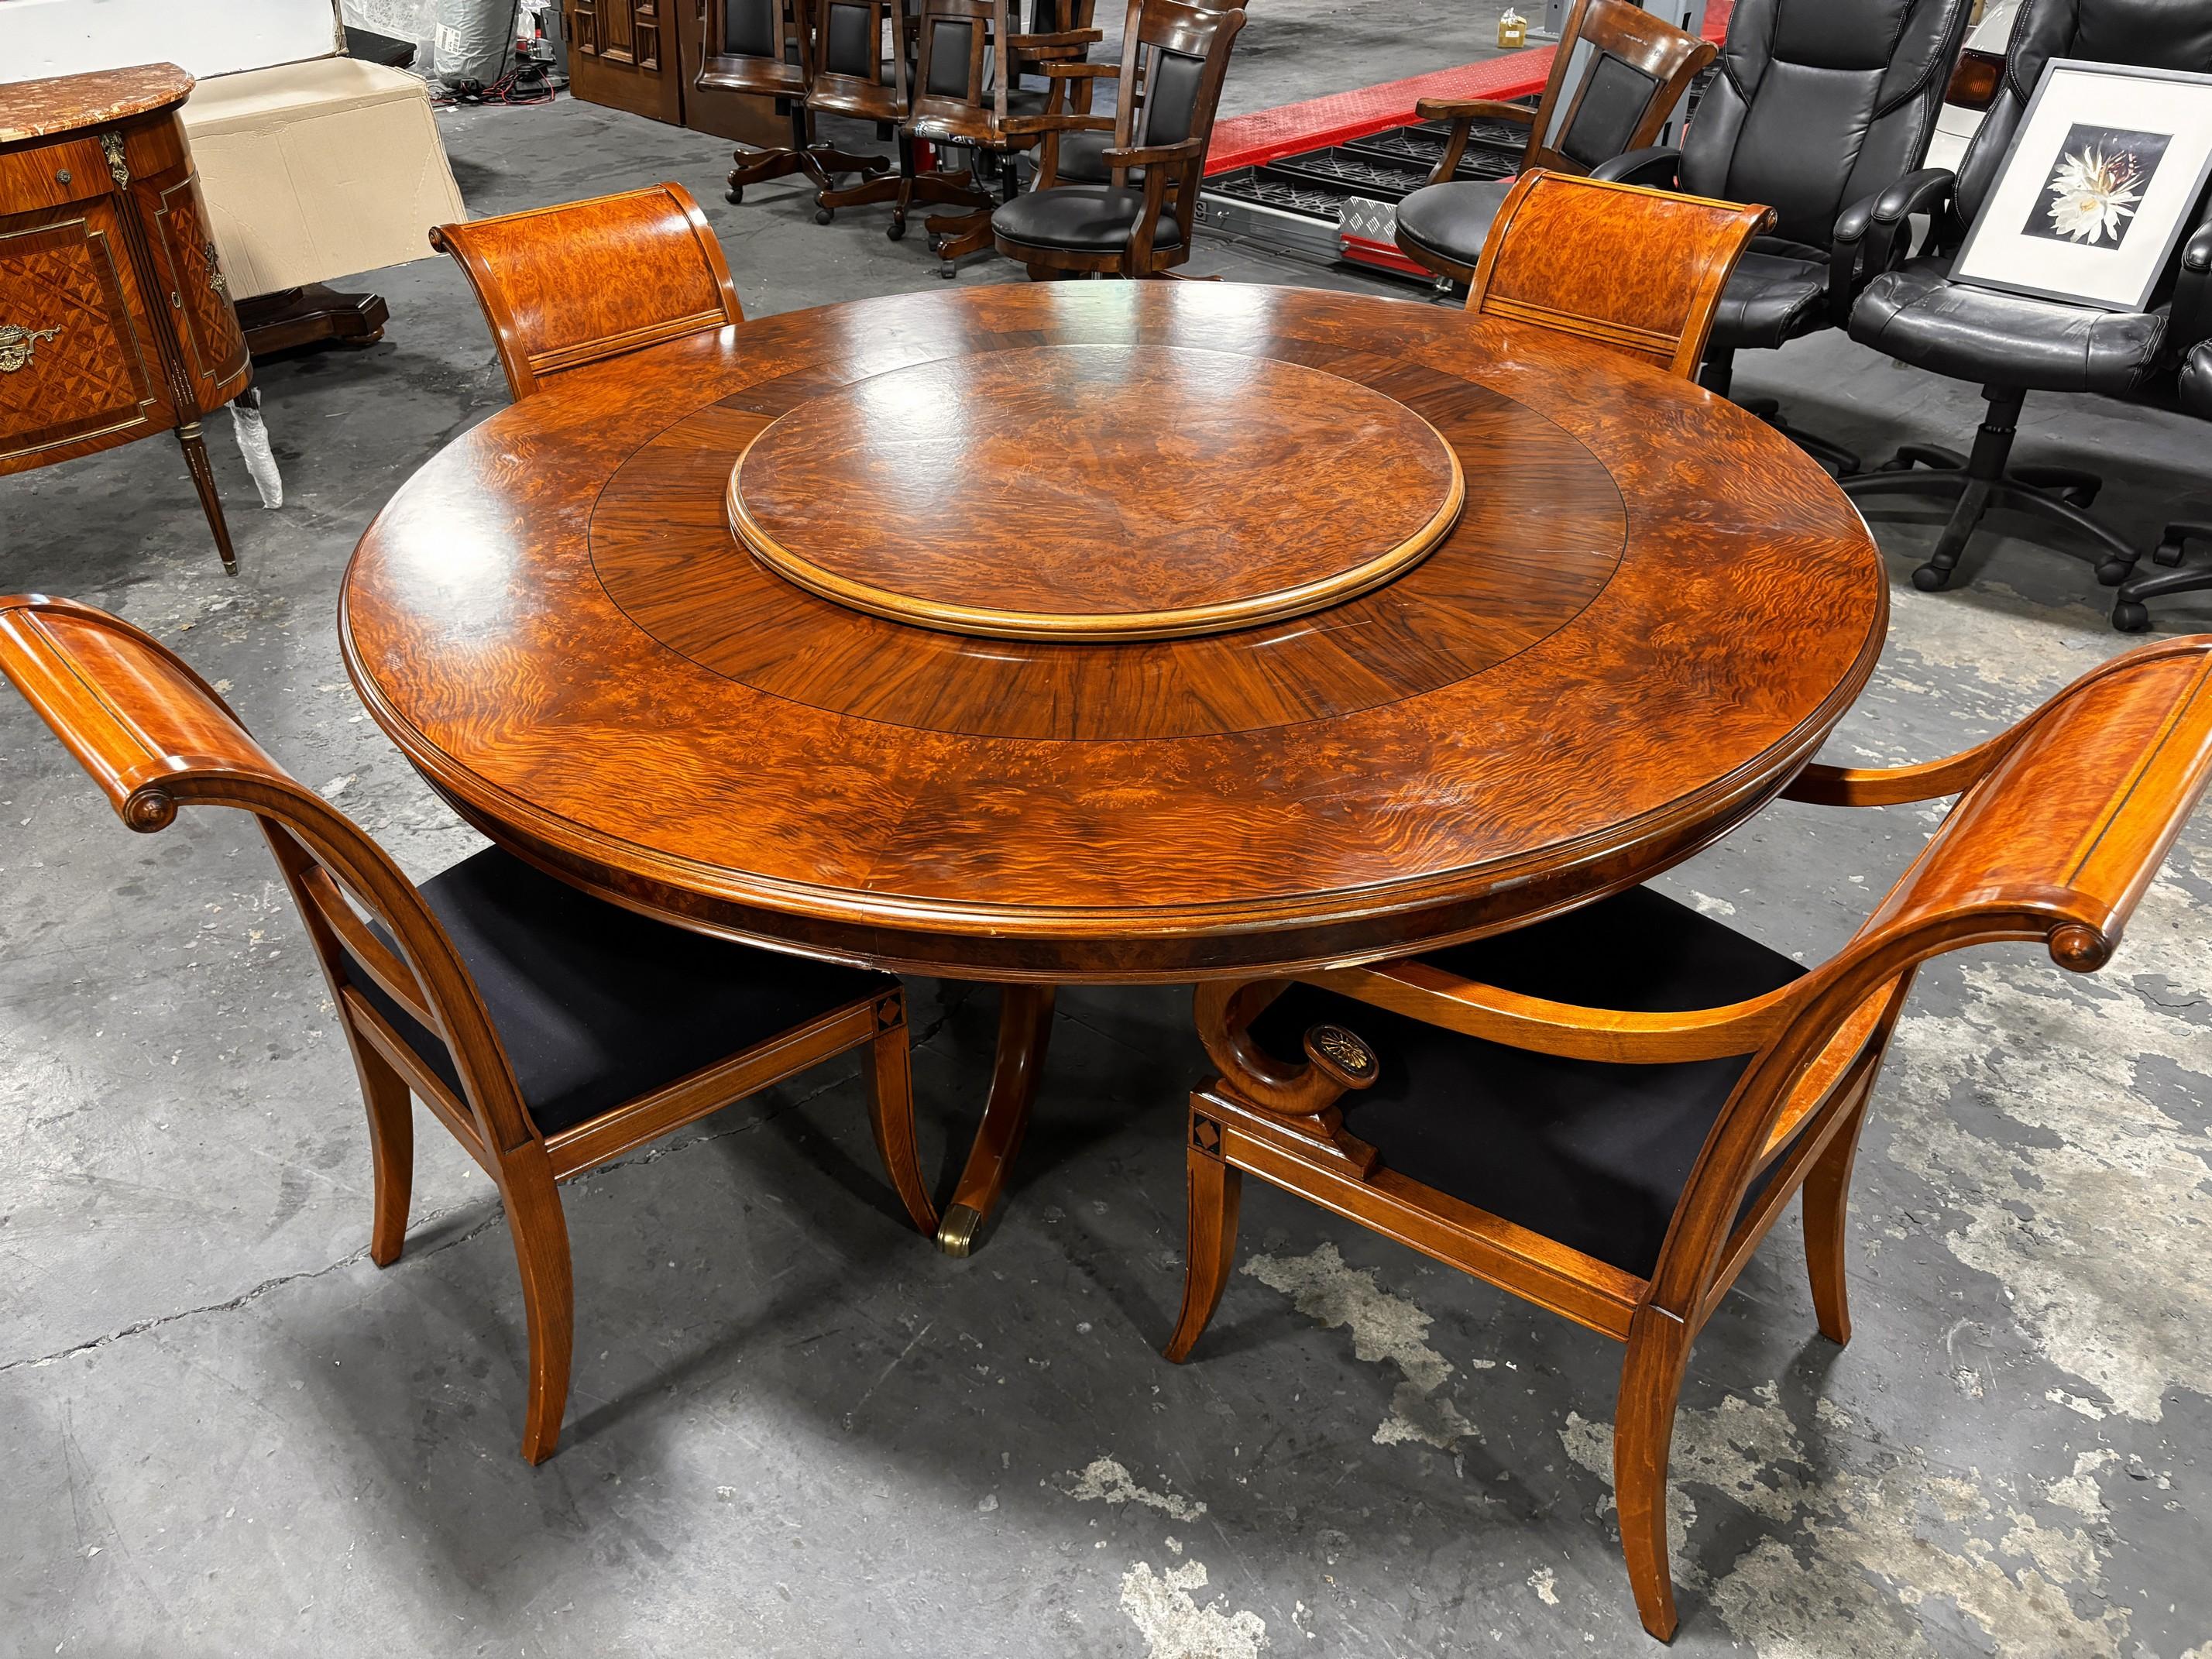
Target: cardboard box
(317,170)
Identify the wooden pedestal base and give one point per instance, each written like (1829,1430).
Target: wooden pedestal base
(301,316)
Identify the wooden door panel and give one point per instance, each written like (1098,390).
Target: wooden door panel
(621,53)
(74,370)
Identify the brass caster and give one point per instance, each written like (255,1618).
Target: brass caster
(956,1236)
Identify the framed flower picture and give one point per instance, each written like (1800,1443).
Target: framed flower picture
(2104,176)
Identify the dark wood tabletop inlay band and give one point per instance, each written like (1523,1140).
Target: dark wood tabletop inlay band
(1652,609)
(1096,492)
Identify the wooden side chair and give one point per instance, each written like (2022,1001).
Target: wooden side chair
(566,286)
(1138,222)
(1605,1113)
(765,49)
(550,1032)
(1639,271)
(1638,68)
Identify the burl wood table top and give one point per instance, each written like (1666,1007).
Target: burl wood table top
(1645,614)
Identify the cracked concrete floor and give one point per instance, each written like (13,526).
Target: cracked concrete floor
(798,1430)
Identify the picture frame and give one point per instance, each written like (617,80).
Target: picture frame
(2100,184)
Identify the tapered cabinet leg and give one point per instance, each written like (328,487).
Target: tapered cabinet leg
(1828,1205)
(1024,1029)
(888,1064)
(1643,1439)
(390,1150)
(196,458)
(1217,1188)
(549,1295)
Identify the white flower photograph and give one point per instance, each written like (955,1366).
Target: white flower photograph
(2096,185)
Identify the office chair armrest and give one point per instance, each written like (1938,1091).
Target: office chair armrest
(1656,169)
(1870,234)
(2192,293)
(1076,72)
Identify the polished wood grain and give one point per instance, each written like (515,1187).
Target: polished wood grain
(1639,271)
(115,314)
(1676,631)
(2060,825)
(1619,29)
(1192,492)
(155,737)
(579,282)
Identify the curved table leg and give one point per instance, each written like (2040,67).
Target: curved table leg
(1024,1029)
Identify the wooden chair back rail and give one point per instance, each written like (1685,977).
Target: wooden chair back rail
(772,33)
(1639,271)
(574,284)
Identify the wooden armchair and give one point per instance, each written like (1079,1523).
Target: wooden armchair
(765,49)
(566,286)
(1138,222)
(1639,271)
(548,1032)
(1638,70)
(965,96)
(1604,1113)
(852,78)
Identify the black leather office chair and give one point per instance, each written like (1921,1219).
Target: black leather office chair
(2011,343)
(2190,320)
(1818,106)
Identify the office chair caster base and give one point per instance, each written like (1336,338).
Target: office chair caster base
(735,193)
(896,230)
(1930,579)
(822,216)
(2130,617)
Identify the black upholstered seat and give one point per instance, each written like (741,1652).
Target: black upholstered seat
(1084,218)
(2197,380)
(1453,219)
(1595,1156)
(1918,316)
(596,1005)
(1777,293)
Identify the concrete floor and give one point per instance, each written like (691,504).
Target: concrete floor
(798,1430)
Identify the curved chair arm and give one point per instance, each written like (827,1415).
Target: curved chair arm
(1844,785)
(1474,109)
(1658,167)
(2191,322)
(1076,71)
(1869,233)
(1424,991)
(1464,113)
(1015,125)
(1063,37)
(1154,155)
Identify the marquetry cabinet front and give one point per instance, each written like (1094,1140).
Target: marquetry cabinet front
(115,319)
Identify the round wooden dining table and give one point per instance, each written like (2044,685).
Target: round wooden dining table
(1111,632)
